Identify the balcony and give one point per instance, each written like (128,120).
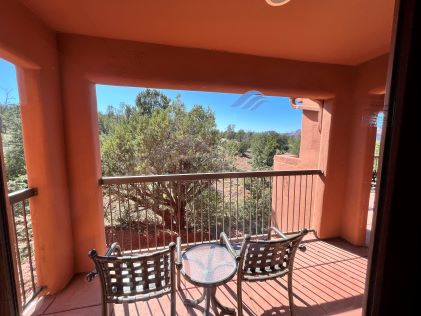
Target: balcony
(329,279)
(144,213)
(70,207)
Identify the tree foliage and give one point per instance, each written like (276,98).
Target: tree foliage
(265,145)
(11,132)
(294,145)
(159,136)
(168,140)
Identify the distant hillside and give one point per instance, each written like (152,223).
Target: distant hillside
(296,133)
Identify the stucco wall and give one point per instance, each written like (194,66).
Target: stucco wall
(344,153)
(32,47)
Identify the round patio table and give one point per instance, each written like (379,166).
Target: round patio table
(208,266)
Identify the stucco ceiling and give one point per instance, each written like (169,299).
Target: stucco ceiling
(329,31)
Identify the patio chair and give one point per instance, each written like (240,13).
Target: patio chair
(128,279)
(262,260)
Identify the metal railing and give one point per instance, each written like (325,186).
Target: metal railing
(24,244)
(147,212)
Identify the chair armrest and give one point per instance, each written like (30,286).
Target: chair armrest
(223,239)
(277,231)
(115,247)
(178,263)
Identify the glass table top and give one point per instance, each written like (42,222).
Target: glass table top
(208,264)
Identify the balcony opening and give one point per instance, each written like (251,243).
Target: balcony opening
(17,182)
(223,143)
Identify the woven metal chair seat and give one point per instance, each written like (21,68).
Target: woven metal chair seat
(127,279)
(261,260)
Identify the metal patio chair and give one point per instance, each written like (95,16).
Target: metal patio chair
(128,279)
(261,260)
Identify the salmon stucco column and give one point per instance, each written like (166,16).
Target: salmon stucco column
(83,163)
(32,47)
(43,138)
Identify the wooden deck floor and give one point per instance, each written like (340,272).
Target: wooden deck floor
(329,279)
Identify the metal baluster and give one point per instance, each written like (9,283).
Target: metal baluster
(299,205)
(289,185)
(251,195)
(216,208)
(311,201)
(136,186)
(305,203)
(179,209)
(194,211)
(21,281)
(270,184)
(201,211)
(257,202)
(130,218)
(223,207)
(230,210)
(184,195)
(160,186)
(172,212)
(112,230)
(244,206)
(147,219)
(282,203)
(293,205)
(28,246)
(154,214)
(122,245)
(209,218)
(236,216)
(276,199)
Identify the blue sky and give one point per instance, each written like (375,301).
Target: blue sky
(8,81)
(274,114)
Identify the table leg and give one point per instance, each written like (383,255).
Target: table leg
(216,304)
(208,292)
(193,302)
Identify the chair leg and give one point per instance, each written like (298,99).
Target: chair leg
(107,309)
(178,280)
(173,307)
(239,297)
(290,294)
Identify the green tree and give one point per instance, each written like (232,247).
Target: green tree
(230,132)
(294,145)
(11,130)
(243,147)
(263,148)
(159,136)
(150,100)
(281,141)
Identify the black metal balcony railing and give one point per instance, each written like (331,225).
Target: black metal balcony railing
(23,244)
(147,212)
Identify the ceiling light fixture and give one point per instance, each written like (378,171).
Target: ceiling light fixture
(277,3)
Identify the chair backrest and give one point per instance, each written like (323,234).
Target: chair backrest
(135,278)
(269,258)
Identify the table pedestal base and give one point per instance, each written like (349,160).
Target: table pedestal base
(210,301)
